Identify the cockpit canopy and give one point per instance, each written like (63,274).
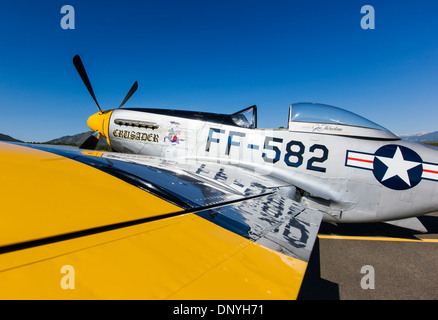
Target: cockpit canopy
(321,118)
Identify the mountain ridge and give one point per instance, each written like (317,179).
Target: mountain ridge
(76,139)
(420,136)
(5,137)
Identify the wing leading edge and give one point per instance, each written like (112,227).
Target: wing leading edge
(152,230)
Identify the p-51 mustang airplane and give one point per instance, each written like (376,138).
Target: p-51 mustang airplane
(197,205)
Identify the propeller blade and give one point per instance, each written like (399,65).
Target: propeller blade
(81,70)
(130,93)
(91,142)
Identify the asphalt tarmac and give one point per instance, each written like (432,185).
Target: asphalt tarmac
(373,261)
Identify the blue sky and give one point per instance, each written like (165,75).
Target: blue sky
(217,56)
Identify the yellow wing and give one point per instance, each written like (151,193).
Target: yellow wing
(87,225)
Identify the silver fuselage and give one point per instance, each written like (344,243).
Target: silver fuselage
(337,174)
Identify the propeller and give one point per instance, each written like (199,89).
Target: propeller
(92,141)
(81,70)
(130,93)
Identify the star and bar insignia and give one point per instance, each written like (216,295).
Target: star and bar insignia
(394,166)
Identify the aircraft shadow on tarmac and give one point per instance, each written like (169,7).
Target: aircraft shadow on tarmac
(379,229)
(316,288)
